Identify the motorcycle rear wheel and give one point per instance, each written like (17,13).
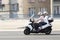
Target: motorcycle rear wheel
(48,33)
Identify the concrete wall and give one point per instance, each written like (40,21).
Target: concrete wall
(20,12)
(24,6)
(4,14)
(5,1)
(37,5)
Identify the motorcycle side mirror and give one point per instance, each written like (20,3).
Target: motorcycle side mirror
(31,20)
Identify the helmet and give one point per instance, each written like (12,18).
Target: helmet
(39,13)
(45,12)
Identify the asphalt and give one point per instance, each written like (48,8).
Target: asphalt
(17,35)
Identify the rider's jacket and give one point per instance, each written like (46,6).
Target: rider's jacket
(46,19)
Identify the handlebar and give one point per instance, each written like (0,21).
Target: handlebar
(31,20)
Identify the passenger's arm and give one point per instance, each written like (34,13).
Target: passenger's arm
(39,19)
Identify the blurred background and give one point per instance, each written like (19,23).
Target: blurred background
(16,13)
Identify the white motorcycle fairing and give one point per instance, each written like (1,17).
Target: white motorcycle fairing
(29,26)
(45,26)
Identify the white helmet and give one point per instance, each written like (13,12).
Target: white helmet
(39,13)
(45,12)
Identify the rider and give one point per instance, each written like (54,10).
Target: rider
(46,18)
(39,21)
(42,20)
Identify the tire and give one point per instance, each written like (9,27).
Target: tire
(48,33)
(27,31)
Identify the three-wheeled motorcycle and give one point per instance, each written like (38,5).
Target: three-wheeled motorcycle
(30,28)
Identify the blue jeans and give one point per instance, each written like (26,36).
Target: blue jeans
(42,23)
(39,24)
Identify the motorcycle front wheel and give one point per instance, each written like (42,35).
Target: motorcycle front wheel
(27,31)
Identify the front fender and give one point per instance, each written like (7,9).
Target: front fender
(30,27)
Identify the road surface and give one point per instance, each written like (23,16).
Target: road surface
(18,35)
